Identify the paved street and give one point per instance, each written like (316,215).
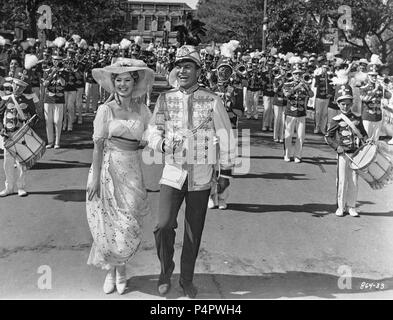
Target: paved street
(278,239)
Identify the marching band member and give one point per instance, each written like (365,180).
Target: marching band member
(92,88)
(254,86)
(54,82)
(279,104)
(15,109)
(69,91)
(322,98)
(297,93)
(79,85)
(14,69)
(371,96)
(268,94)
(345,135)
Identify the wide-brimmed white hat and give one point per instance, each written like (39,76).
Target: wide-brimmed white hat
(103,76)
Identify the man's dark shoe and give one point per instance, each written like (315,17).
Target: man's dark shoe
(189,289)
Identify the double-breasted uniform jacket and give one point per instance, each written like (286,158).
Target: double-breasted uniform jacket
(341,134)
(296,99)
(197,116)
(371,95)
(9,115)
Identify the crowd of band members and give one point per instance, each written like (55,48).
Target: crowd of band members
(288,85)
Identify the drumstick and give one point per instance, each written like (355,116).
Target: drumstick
(351,160)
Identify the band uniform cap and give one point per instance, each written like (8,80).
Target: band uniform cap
(188,53)
(363,61)
(103,76)
(22,78)
(372,69)
(343,92)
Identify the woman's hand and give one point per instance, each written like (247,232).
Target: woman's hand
(94,189)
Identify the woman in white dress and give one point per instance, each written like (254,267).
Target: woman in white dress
(116,197)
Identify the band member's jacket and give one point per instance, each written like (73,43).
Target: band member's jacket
(323,86)
(197,117)
(296,99)
(341,134)
(268,83)
(371,95)
(279,97)
(9,114)
(55,81)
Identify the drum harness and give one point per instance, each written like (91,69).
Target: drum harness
(356,131)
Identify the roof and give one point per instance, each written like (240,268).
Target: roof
(184,5)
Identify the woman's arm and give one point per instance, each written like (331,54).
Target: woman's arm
(94,187)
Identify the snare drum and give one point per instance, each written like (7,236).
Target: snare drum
(25,146)
(373,166)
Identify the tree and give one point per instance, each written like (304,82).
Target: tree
(91,19)
(190,33)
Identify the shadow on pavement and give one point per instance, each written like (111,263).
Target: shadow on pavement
(62,164)
(279,175)
(317,210)
(292,284)
(73,195)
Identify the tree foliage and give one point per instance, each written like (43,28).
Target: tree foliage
(299,25)
(91,19)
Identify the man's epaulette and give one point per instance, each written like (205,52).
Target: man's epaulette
(337,117)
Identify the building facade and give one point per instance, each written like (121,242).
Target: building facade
(153,21)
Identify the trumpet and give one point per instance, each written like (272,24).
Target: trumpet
(307,78)
(241,69)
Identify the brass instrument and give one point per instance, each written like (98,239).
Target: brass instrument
(307,78)
(242,70)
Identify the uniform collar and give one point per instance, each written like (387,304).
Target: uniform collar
(190,90)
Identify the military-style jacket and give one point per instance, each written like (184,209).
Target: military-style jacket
(268,83)
(9,114)
(296,99)
(55,81)
(371,95)
(323,86)
(197,116)
(341,134)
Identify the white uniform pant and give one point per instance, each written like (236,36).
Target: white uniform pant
(14,177)
(373,129)
(321,114)
(331,114)
(79,101)
(279,122)
(69,110)
(53,117)
(347,184)
(290,124)
(267,111)
(92,96)
(251,103)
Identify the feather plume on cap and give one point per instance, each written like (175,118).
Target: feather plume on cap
(82,44)
(228,49)
(24,45)
(30,61)
(50,44)
(375,60)
(31,41)
(273,51)
(107,46)
(67,44)
(59,42)
(329,56)
(114,46)
(125,44)
(2,41)
(77,38)
(288,56)
(138,40)
(96,46)
(341,78)
(295,59)
(150,47)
